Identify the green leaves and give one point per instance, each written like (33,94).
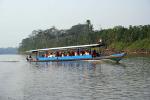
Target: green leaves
(119,37)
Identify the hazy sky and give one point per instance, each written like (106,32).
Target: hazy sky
(18,18)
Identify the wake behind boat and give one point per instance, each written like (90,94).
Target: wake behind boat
(72,53)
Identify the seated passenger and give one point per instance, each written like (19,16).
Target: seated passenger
(75,53)
(62,54)
(86,53)
(72,53)
(50,55)
(45,55)
(53,55)
(68,54)
(57,54)
(80,54)
(83,52)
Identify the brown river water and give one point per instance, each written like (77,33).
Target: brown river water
(74,80)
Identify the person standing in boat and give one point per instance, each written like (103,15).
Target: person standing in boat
(94,53)
(29,58)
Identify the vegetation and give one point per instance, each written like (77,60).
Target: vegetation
(118,38)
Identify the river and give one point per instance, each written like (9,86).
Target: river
(78,80)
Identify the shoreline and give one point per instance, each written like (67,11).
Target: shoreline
(138,52)
(129,52)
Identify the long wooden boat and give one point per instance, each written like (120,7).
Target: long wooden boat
(84,56)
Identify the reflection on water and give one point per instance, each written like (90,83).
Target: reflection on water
(75,80)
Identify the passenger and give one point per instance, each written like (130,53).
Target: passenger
(78,52)
(50,55)
(90,52)
(75,53)
(29,58)
(45,55)
(72,53)
(94,53)
(86,53)
(83,52)
(67,54)
(62,54)
(53,55)
(42,55)
(57,54)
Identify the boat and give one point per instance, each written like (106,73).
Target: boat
(72,53)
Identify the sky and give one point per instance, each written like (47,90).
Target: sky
(18,18)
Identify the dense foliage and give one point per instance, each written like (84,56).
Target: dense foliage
(119,37)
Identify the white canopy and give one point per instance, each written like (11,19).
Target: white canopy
(61,48)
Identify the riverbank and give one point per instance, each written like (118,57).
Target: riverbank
(129,52)
(144,53)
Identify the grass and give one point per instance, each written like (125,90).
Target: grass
(137,45)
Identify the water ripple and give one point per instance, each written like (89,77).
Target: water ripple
(129,80)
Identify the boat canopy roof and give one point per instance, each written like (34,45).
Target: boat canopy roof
(62,48)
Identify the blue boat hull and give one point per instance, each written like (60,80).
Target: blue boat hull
(114,57)
(65,58)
